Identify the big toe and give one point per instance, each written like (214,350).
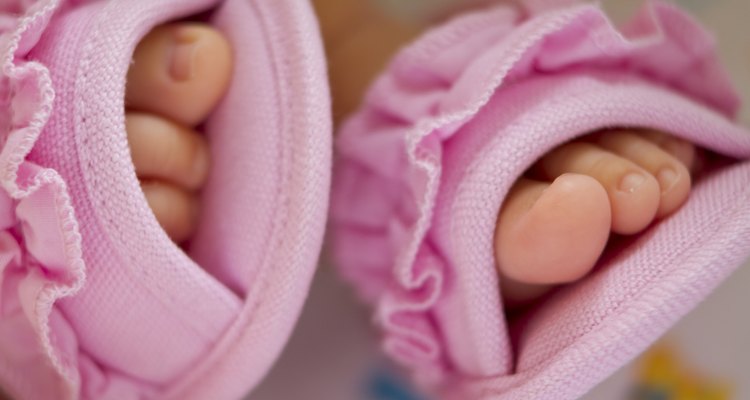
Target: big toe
(180,71)
(549,234)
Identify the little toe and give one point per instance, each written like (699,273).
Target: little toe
(163,150)
(634,193)
(179,71)
(671,173)
(173,207)
(549,234)
(680,149)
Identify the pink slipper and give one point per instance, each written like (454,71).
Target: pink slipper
(456,119)
(96,301)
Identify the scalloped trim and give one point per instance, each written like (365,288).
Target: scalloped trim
(445,106)
(29,100)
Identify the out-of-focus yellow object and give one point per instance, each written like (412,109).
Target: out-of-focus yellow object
(662,376)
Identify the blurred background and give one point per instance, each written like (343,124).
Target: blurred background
(334,353)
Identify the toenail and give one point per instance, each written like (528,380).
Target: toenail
(667,178)
(631,182)
(182,54)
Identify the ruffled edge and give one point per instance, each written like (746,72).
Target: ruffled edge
(414,285)
(28,105)
(18,73)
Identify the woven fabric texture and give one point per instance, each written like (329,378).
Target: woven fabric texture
(456,119)
(97,302)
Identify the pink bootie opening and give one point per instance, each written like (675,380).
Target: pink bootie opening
(456,119)
(96,301)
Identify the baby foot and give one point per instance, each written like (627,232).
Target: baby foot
(554,225)
(179,73)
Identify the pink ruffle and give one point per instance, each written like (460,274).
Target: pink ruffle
(41,244)
(152,320)
(392,170)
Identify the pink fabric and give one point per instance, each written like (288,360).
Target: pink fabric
(96,301)
(456,119)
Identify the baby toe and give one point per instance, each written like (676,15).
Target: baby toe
(179,71)
(165,151)
(671,173)
(174,208)
(634,193)
(549,234)
(680,149)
